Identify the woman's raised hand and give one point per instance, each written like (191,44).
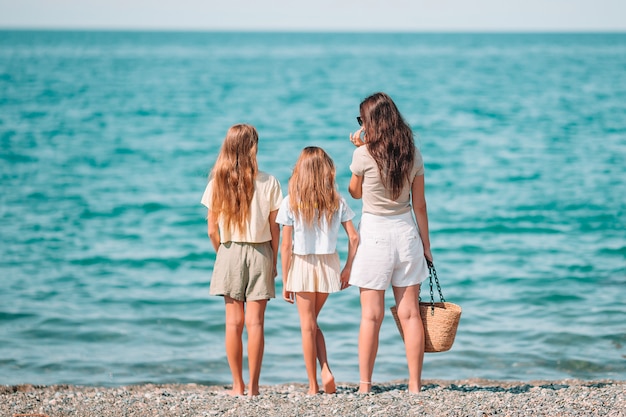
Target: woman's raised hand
(355,137)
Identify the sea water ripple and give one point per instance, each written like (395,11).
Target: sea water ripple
(107,139)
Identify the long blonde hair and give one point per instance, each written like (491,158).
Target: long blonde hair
(233,176)
(312,191)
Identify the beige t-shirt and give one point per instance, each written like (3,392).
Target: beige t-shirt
(376,199)
(266,198)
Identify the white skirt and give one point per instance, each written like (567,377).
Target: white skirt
(314,273)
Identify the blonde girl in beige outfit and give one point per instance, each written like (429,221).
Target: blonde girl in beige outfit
(242,205)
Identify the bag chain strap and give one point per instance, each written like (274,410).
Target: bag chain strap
(433,273)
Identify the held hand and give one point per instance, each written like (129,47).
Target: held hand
(345,277)
(355,137)
(288,296)
(428,255)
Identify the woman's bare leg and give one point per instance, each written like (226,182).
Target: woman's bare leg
(234,344)
(372,313)
(255,322)
(409,314)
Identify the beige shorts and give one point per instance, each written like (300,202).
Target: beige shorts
(314,273)
(244,271)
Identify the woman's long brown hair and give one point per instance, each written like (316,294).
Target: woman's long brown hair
(233,176)
(312,190)
(389,140)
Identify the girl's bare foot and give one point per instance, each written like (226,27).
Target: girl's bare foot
(237,390)
(313,390)
(328,381)
(253,390)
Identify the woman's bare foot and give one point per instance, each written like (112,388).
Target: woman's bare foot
(365,387)
(415,388)
(328,382)
(415,391)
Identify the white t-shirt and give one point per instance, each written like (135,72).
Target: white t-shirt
(266,198)
(376,198)
(318,239)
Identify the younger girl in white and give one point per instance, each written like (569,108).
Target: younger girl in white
(311,215)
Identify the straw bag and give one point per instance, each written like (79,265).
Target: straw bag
(440,319)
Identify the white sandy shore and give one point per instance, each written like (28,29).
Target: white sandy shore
(475,398)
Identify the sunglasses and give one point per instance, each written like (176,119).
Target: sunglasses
(359,120)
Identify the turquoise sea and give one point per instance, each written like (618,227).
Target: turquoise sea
(107,139)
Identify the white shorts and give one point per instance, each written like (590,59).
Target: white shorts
(390,252)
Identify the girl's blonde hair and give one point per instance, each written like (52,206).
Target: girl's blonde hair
(312,191)
(233,176)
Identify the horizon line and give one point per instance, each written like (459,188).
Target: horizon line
(312,30)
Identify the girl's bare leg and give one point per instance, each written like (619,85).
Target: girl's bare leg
(372,313)
(409,314)
(255,322)
(306,302)
(234,345)
(328,380)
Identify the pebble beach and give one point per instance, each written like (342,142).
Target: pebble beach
(476,398)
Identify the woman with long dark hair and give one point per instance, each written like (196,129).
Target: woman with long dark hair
(388,174)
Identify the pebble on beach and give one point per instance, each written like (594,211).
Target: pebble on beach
(475,398)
